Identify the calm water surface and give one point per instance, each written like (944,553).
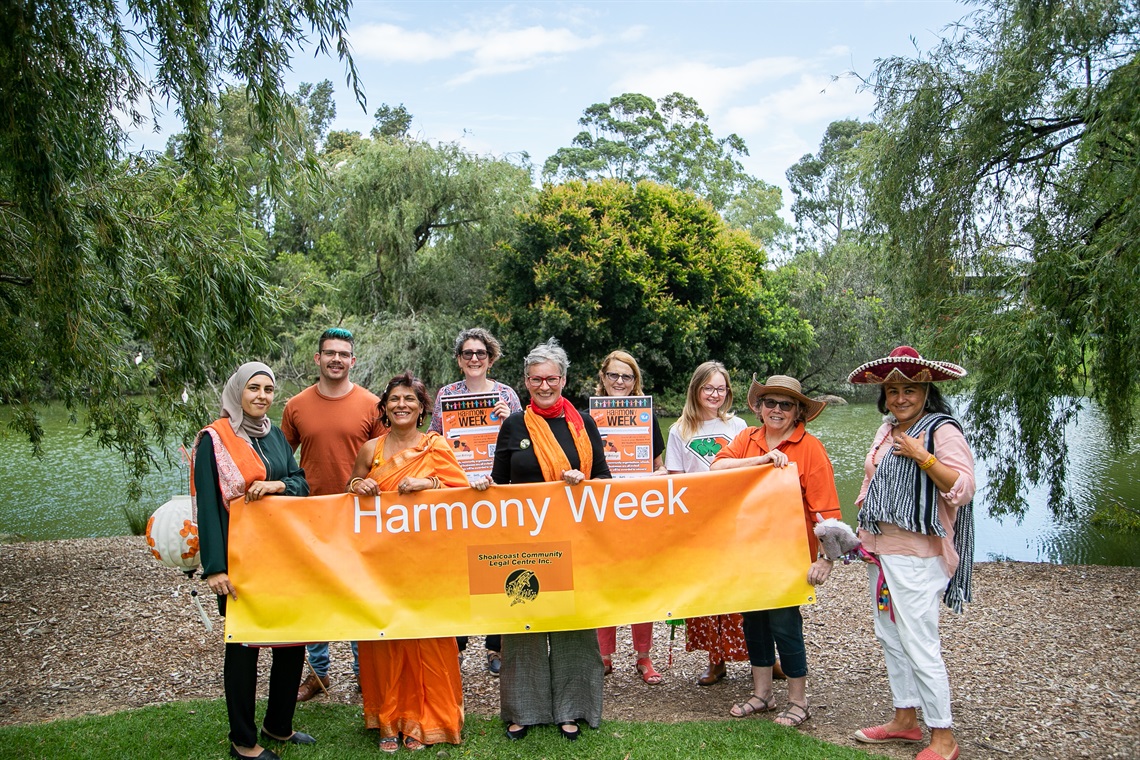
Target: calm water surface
(76,489)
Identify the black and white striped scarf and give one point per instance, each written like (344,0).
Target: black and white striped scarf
(901,494)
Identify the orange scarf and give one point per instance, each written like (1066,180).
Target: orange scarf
(551,458)
(431,456)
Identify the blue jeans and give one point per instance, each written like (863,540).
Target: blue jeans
(783,629)
(319,658)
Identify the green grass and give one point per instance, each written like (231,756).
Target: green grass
(197,731)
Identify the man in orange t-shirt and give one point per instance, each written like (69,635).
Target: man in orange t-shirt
(330,421)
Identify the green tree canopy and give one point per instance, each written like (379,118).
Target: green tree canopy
(103,259)
(632,139)
(651,269)
(1007,177)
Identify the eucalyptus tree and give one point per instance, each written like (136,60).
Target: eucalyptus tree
(632,138)
(123,273)
(1007,178)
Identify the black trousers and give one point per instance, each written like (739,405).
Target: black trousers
(240,679)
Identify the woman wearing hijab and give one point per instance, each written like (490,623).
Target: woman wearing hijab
(706,426)
(782,438)
(410,686)
(916,520)
(242,455)
(619,375)
(549,677)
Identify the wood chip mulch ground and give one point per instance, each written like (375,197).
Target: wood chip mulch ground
(1044,664)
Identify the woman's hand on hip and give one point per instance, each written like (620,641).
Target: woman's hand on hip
(220,584)
(260,488)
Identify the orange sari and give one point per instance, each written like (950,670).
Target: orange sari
(413,686)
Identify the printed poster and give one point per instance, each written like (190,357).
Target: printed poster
(471,427)
(626,427)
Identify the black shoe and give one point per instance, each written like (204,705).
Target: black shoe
(265,755)
(564,728)
(494,663)
(518,733)
(296,738)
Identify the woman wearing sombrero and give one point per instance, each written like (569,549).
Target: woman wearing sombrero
(783,409)
(916,518)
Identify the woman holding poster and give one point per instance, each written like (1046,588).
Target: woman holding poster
(476,351)
(243,455)
(410,687)
(784,409)
(707,425)
(549,677)
(619,375)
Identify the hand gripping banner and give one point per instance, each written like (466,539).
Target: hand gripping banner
(517,558)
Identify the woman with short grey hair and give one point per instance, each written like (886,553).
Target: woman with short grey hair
(549,677)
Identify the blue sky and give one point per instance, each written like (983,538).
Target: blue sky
(502,78)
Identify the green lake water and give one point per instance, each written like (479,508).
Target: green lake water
(77,489)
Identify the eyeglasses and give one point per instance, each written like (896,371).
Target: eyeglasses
(785,406)
(714,390)
(615,377)
(469,355)
(328,354)
(536,381)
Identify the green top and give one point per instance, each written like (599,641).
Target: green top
(213,517)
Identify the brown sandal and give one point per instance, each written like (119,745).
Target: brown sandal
(748,707)
(795,715)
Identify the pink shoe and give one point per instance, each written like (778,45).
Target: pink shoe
(880,735)
(929,754)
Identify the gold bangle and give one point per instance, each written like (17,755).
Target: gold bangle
(353,482)
(928,463)
(435,483)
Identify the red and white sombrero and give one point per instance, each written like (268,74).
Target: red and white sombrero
(905,365)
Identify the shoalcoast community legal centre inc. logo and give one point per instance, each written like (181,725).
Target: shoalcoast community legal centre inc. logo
(522,586)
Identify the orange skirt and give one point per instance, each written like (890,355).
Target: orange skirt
(413,687)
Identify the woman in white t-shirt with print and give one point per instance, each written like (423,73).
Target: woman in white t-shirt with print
(704,428)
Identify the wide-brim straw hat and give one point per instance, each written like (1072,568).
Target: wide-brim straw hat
(905,365)
(784,386)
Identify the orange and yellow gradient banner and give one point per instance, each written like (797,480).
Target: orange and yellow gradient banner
(514,559)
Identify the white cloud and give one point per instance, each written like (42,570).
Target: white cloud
(711,86)
(813,98)
(486,51)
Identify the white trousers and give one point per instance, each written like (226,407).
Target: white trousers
(911,645)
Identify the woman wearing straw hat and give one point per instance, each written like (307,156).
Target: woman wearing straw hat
(916,518)
(784,409)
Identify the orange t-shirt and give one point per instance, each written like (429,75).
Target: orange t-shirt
(330,431)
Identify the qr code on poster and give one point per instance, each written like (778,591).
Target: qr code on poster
(642,452)
(491,449)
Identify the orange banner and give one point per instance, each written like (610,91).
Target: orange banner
(513,559)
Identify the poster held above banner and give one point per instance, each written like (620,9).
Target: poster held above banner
(626,426)
(471,426)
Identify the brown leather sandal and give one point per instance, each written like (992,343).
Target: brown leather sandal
(748,707)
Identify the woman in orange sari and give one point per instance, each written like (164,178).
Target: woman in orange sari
(410,687)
